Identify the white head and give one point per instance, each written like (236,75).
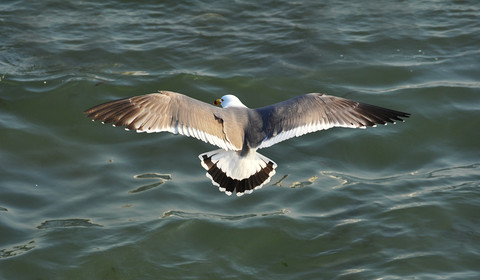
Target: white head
(229,101)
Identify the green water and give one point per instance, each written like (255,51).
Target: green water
(81,200)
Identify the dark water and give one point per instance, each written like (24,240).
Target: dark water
(79,200)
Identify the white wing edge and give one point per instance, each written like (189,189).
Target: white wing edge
(301,130)
(192,132)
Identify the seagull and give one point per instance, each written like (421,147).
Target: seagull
(238,130)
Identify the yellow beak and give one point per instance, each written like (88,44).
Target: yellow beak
(217,102)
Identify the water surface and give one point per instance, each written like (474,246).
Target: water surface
(81,200)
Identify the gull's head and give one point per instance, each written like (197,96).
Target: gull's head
(229,101)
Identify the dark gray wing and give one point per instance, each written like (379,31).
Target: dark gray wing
(315,111)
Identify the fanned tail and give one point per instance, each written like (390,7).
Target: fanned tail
(233,172)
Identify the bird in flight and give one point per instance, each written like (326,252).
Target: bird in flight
(238,130)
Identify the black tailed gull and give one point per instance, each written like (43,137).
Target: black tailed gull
(238,130)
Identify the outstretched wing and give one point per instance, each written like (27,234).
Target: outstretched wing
(166,111)
(315,111)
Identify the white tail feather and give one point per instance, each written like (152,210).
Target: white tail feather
(231,171)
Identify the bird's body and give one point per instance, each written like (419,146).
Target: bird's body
(239,131)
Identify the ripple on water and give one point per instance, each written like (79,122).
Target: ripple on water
(65,223)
